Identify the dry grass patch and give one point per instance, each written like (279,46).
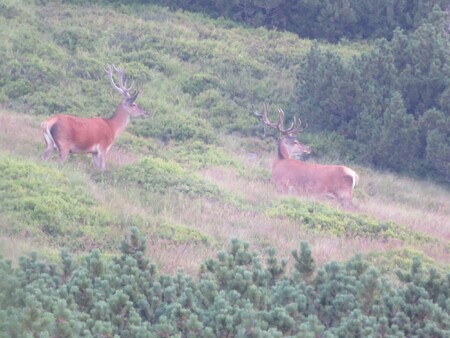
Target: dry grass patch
(14,247)
(424,206)
(171,257)
(21,134)
(435,224)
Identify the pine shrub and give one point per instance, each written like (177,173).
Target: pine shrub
(234,295)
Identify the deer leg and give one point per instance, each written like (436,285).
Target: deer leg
(96,159)
(345,199)
(99,160)
(50,146)
(63,153)
(102,162)
(48,152)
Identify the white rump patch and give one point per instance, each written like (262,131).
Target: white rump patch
(49,138)
(353,174)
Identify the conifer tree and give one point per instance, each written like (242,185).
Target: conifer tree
(399,138)
(235,296)
(304,263)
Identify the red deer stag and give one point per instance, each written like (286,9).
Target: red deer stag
(71,134)
(289,173)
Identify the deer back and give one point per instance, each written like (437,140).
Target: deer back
(68,133)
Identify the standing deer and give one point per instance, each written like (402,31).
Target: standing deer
(288,173)
(71,134)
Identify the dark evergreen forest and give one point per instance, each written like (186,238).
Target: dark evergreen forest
(330,20)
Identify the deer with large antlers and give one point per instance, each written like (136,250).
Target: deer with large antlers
(71,134)
(291,174)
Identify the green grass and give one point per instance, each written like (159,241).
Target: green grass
(44,203)
(320,218)
(198,155)
(177,233)
(157,175)
(402,259)
(193,77)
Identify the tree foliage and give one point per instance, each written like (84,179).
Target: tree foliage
(330,20)
(390,101)
(235,295)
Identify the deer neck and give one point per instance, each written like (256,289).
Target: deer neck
(283,154)
(119,121)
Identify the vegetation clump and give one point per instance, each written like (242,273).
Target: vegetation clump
(157,175)
(46,205)
(198,155)
(235,295)
(329,20)
(319,217)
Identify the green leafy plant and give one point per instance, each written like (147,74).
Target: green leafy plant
(155,174)
(44,203)
(197,155)
(318,217)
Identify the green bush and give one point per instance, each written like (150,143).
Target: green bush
(74,38)
(45,204)
(318,217)
(157,175)
(197,155)
(177,233)
(235,295)
(197,83)
(176,126)
(9,11)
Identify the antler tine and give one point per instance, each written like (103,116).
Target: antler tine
(122,88)
(292,129)
(281,117)
(264,119)
(109,70)
(124,81)
(260,116)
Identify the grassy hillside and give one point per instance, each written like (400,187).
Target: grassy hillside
(193,176)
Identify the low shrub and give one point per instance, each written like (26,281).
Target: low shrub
(176,126)
(197,155)
(178,233)
(318,217)
(155,174)
(235,295)
(44,203)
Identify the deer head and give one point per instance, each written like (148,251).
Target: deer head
(289,146)
(125,91)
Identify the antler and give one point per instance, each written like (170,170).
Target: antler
(264,119)
(122,88)
(294,128)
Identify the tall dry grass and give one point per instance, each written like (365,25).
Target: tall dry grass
(423,206)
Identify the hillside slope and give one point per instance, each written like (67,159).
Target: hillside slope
(193,176)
